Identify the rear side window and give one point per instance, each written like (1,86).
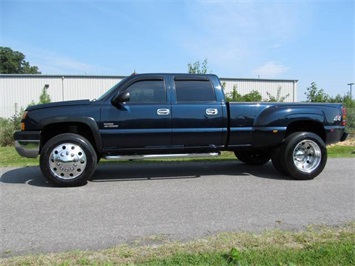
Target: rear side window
(194,91)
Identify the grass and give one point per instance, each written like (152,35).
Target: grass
(337,151)
(9,156)
(318,245)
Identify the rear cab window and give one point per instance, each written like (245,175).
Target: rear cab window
(192,90)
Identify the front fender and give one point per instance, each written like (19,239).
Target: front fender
(88,121)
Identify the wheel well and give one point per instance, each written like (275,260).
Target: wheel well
(309,126)
(53,130)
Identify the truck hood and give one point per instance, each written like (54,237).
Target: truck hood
(58,104)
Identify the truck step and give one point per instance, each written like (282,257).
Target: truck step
(161,156)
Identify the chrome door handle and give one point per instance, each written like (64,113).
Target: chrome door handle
(163,111)
(211,111)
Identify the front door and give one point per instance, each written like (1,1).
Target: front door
(144,122)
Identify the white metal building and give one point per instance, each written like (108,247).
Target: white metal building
(244,86)
(21,90)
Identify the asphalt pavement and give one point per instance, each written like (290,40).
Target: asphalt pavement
(150,203)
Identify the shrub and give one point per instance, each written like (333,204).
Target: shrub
(234,96)
(8,128)
(12,124)
(350,120)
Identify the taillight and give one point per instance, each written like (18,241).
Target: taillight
(343,120)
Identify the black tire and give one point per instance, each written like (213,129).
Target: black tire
(303,155)
(253,157)
(68,160)
(277,161)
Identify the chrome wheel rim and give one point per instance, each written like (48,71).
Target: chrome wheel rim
(307,156)
(67,161)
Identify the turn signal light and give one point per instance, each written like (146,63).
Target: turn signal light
(23,127)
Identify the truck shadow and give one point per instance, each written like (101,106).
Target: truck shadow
(27,175)
(140,171)
(133,171)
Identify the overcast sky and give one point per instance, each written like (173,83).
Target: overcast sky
(307,40)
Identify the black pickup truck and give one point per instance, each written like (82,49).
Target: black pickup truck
(166,115)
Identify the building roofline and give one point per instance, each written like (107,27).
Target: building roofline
(259,79)
(121,77)
(57,76)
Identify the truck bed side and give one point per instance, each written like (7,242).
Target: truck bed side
(267,124)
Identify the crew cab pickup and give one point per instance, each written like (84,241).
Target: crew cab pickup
(166,115)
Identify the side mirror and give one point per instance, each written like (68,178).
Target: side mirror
(120,98)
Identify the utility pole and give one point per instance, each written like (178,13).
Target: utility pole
(63,88)
(351,89)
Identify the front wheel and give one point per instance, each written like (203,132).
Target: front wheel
(68,160)
(303,155)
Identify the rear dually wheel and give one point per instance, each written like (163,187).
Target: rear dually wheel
(303,156)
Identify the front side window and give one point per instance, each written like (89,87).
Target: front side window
(147,91)
(194,91)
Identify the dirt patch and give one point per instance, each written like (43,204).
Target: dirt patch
(350,141)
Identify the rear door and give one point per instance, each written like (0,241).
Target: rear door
(197,116)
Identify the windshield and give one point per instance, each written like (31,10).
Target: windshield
(103,96)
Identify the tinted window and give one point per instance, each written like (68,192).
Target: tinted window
(147,91)
(194,91)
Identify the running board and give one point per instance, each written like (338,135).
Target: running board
(161,156)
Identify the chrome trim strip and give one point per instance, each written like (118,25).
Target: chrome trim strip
(160,156)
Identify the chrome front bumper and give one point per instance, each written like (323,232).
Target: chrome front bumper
(27,144)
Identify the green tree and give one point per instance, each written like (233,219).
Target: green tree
(316,95)
(337,99)
(44,97)
(349,104)
(13,62)
(234,96)
(253,96)
(198,68)
(278,97)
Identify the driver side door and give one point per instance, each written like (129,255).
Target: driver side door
(144,122)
